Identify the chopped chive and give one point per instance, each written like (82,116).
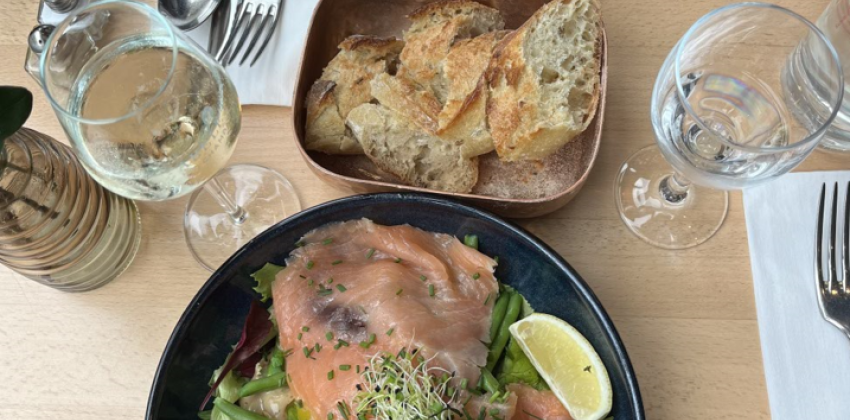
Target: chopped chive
(476,276)
(302,276)
(310,265)
(330,375)
(311,282)
(471,241)
(299,336)
(370,253)
(331,280)
(305,328)
(328,241)
(399,291)
(337,346)
(341,409)
(331,416)
(341,288)
(489,296)
(390,331)
(431,290)
(317,347)
(397,260)
(337,262)
(307,352)
(325,292)
(344,368)
(358,368)
(329,335)
(422,277)
(369,342)
(342,343)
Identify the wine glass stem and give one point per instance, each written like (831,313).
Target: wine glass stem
(674,188)
(237,213)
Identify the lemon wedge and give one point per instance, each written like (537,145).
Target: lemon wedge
(568,363)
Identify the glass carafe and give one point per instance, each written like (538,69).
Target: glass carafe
(57,226)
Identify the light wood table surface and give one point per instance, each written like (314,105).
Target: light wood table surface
(687,318)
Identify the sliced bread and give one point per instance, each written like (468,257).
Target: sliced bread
(404,97)
(345,84)
(419,159)
(544,80)
(434,29)
(463,119)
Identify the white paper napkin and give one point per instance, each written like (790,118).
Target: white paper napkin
(806,360)
(271,81)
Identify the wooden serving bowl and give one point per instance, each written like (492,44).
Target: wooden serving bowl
(546,185)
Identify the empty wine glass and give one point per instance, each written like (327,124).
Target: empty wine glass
(736,103)
(153,117)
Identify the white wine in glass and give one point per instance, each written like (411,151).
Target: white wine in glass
(152,117)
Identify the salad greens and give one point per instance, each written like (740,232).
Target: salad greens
(264,278)
(397,385)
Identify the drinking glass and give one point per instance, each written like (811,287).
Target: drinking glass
(835,25)
(153,117)
(727,114)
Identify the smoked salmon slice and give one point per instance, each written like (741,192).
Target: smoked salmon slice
(532,404)
(356,288)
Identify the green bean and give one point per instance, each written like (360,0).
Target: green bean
(276,362)
(489,382)
(498,345)
(499,310)
(471,241)
(268,383)
(236,412)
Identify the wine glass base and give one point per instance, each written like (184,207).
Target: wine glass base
(213,234)
(659,220)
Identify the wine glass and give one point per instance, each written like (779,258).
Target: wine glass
(153,117)
(743,98)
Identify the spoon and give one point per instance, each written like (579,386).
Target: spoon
(188,14)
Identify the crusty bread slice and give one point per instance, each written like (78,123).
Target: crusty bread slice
(404,97)
(399,147)
(434,29)
(345,84)
(463,119)
(544,80)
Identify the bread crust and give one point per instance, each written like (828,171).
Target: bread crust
(345,84)
(519,127)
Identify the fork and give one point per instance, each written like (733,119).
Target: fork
(247,17)
(833,294)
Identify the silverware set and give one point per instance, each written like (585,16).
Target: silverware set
(246,21)
(241,29)
(832,288)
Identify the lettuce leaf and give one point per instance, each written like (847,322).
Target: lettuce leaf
(265,278)
(516,368)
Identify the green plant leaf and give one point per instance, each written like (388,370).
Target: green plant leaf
(15,109)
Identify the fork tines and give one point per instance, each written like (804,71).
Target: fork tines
(833,285)
(254,19)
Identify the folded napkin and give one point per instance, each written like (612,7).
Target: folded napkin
(272,79)
(806,360)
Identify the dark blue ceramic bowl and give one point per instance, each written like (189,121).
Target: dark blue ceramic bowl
(212,323)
